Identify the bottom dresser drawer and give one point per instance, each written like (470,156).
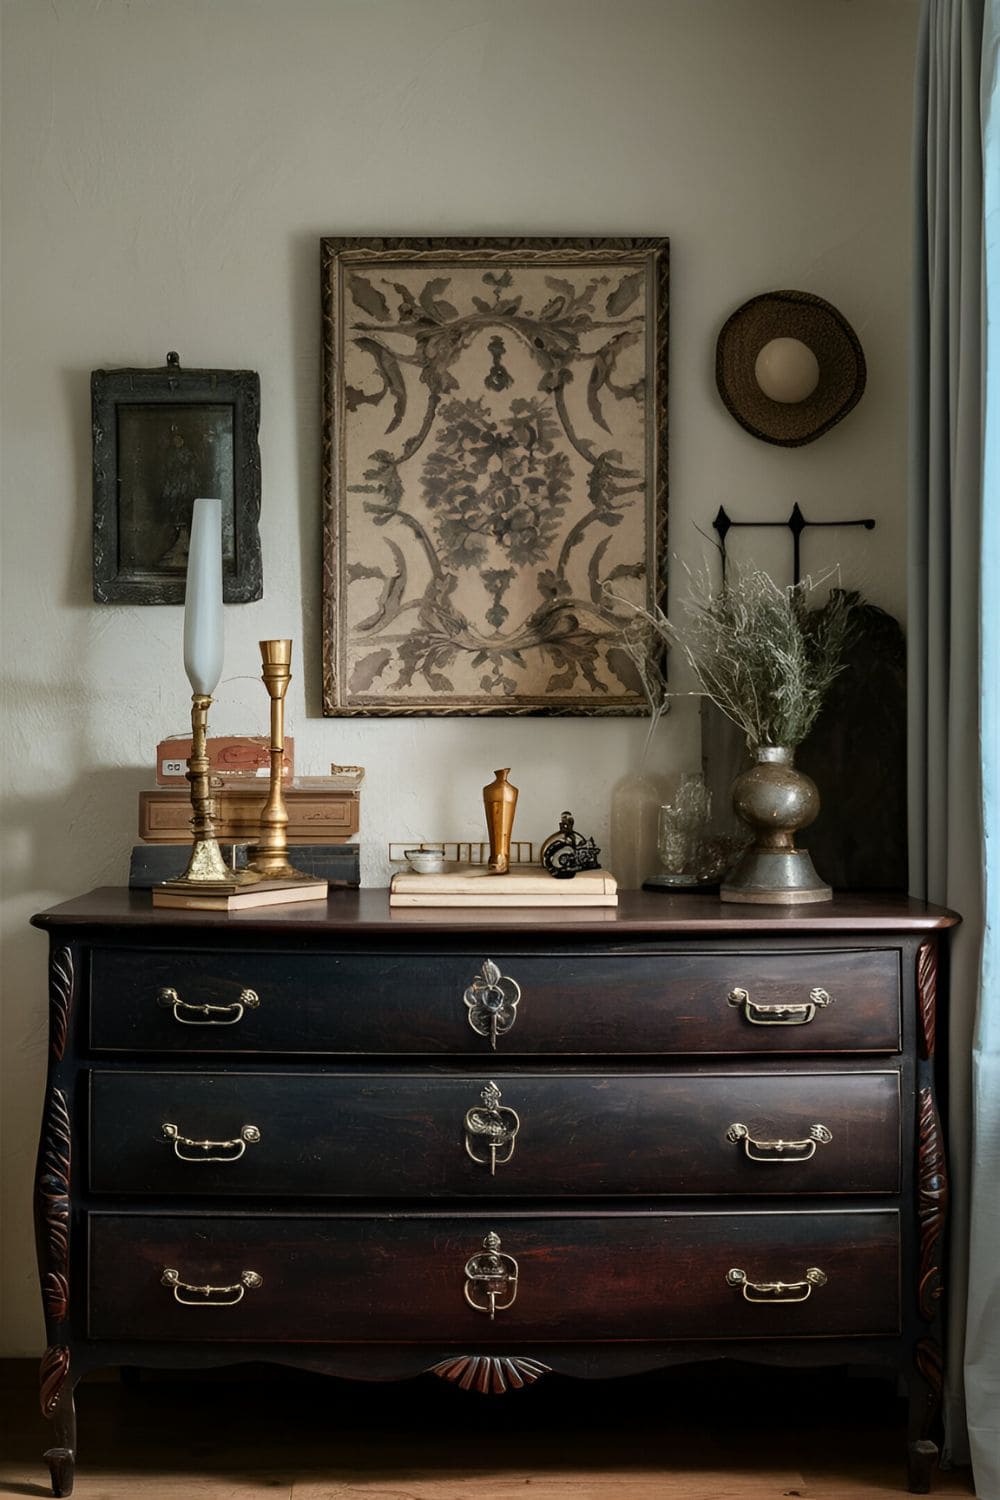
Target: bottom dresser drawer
(567,1277)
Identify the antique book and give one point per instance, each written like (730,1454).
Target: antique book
(265,893)
(474,886)
(150,864)
(316,814)
(229,755)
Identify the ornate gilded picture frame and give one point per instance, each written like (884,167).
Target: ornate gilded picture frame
(161,438)
(494,471)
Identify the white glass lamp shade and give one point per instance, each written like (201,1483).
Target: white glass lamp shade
(203,636)
(787,370)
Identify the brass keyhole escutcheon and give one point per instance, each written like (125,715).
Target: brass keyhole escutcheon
(491,1001)
(490,1130)
(491,1278)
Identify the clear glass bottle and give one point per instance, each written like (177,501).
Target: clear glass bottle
(635,811)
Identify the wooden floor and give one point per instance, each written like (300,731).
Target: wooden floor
(701,1434)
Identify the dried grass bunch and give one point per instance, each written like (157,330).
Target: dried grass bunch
(757,651)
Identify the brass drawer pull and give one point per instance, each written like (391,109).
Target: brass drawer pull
(248,1136)
(777,1291)
(780,1015)
(494,1127)
(210,1296)
(492,1277)
(208,1015)
(491,1001)
(779,1150)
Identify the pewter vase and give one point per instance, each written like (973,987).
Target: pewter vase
(775,800)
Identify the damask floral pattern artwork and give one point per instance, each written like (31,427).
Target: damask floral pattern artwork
(494,472)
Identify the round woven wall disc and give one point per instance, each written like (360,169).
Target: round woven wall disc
(823,330)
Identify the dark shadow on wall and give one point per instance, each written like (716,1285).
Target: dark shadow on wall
(306,322)
(77,837)
(78,584)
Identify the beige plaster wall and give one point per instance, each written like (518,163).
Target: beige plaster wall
(168,168)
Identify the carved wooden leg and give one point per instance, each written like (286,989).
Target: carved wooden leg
(922,1457)
(61,1457)
(58,1405)
(925,1383)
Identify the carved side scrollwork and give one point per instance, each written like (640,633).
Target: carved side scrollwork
(490,1374)
(930,1363)
(61,991)
(55,1295)
(53,1203)
(932,1204)
(52,1377)
(927,976)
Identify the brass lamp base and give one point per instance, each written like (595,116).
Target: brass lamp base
(207,872)
(226,884)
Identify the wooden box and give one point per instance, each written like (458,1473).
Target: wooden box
(244,755)
(315,815)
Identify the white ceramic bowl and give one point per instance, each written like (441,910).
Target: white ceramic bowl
(425,861)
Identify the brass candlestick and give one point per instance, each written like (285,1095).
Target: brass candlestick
(270,854)
(207,870)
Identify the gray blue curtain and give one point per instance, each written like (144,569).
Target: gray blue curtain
(954,666)
(982,1351)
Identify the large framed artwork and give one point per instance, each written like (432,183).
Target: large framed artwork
(161,438)
(495,471)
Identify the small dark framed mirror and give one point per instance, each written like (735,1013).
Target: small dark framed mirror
(162,437)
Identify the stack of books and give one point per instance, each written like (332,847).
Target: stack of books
(324,812)
(473,885)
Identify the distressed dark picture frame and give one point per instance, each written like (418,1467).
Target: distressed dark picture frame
(389,299)
(162,437)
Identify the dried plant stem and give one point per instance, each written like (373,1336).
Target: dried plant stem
(762,656)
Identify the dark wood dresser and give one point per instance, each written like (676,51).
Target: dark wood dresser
(492,1145)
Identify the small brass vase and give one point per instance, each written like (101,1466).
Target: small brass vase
(500,800)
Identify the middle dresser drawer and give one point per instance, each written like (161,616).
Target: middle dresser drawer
(329,1135)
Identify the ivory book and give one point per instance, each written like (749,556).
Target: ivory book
(473,885)
(264,893)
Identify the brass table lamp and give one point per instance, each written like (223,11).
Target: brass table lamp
(207,871)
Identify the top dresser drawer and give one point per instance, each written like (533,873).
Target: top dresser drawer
(813,1000)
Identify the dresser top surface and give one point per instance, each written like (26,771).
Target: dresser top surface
(367,912)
